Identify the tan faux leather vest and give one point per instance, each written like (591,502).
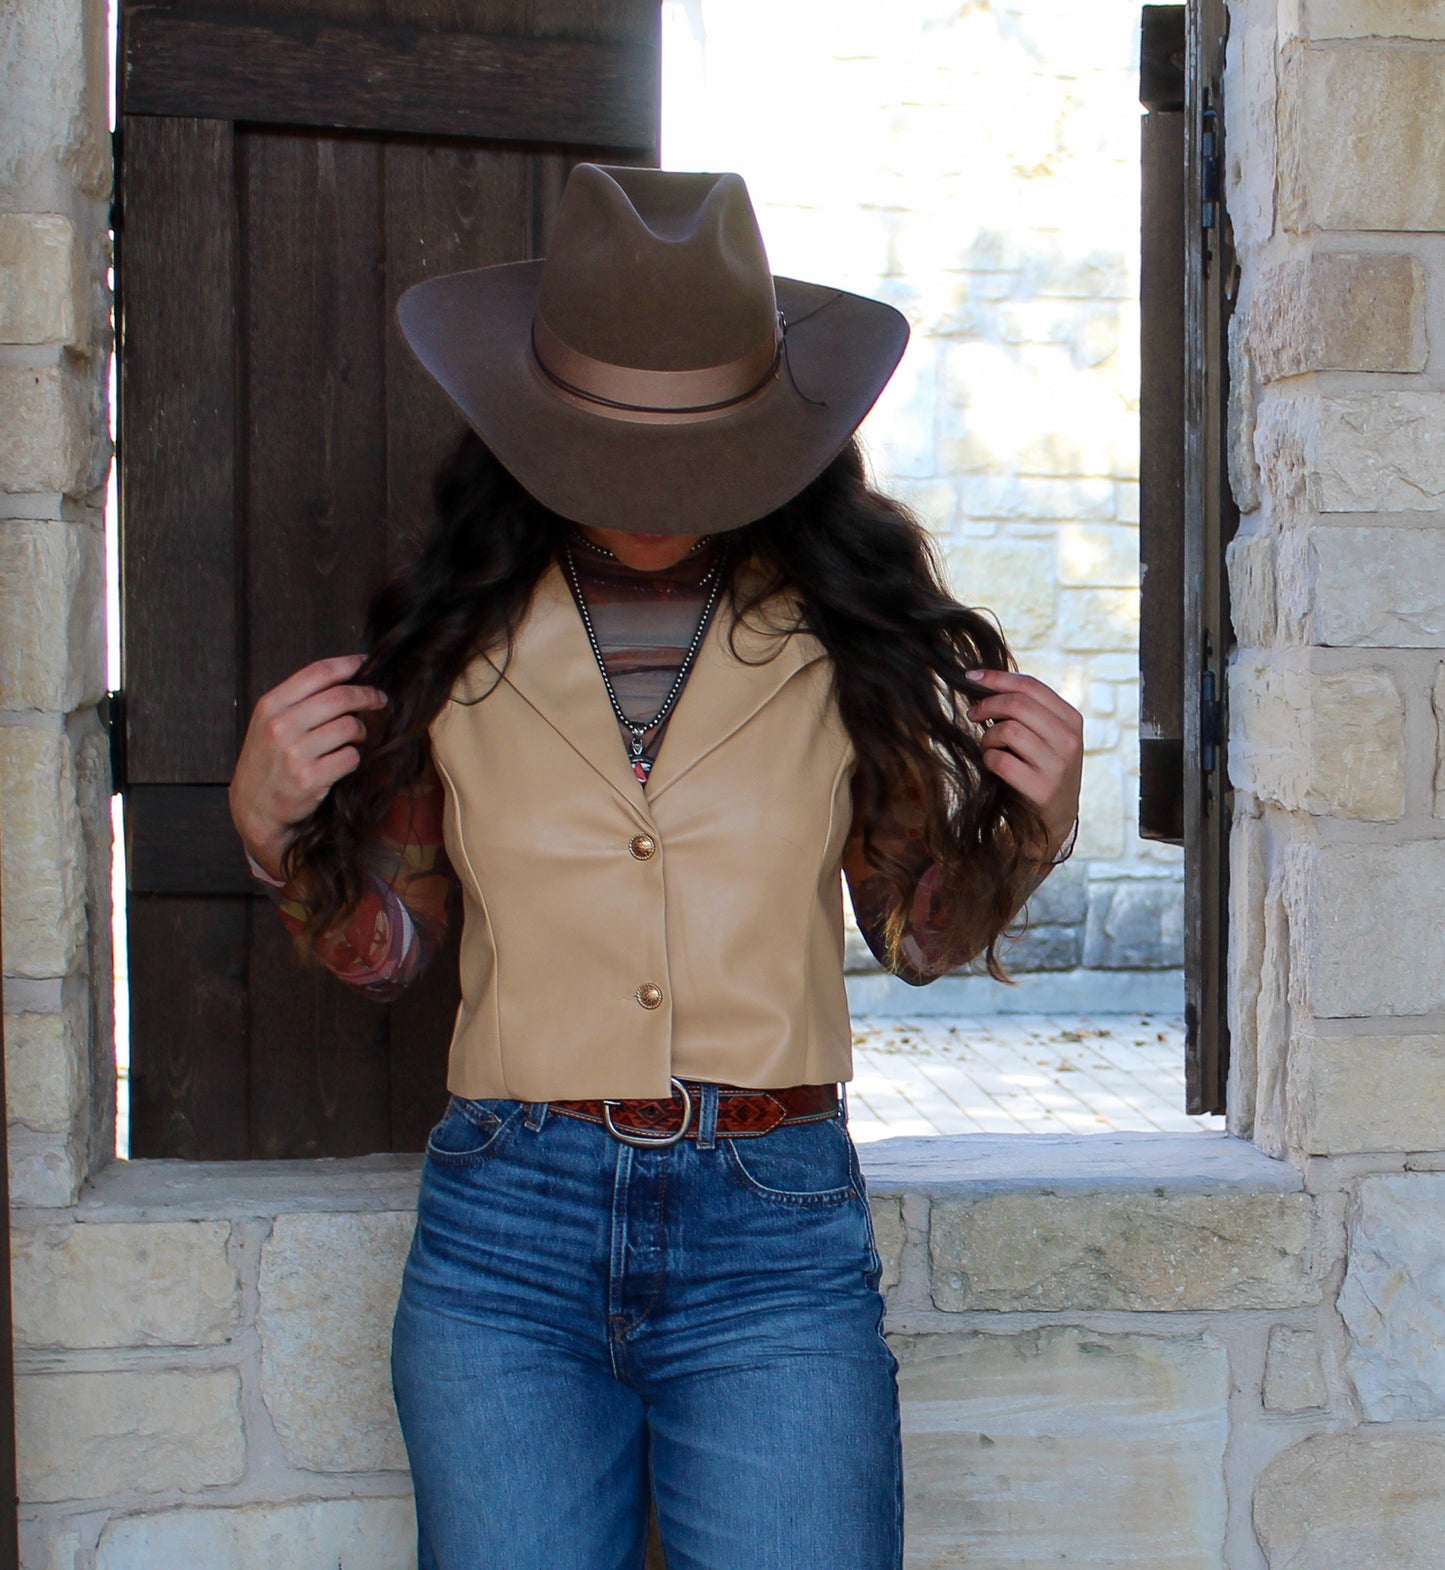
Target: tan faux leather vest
(615,936)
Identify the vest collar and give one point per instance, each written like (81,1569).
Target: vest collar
(553,668)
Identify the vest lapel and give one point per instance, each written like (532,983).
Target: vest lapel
(553,668)
(725,689)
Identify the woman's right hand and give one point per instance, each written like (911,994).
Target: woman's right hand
(302,738)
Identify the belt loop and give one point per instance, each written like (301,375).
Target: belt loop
(707,1118)
(536,1114)
(843,1101)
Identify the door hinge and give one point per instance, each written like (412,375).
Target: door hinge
(111,709)
(1209,166)
(1211,719)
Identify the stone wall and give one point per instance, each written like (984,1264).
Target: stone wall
(1336,701)
(54,454)
(978,167)
(1103,1340)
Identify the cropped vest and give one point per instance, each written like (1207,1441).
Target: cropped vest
(616,935)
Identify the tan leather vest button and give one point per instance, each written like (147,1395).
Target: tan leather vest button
(642,846)
(649,995)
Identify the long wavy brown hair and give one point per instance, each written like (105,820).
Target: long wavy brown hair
(872,591)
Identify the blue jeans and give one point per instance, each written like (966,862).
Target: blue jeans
(586,1327)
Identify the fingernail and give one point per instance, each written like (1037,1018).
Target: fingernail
(973,675)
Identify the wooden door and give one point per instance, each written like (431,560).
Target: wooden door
(285,171)
(1187,511)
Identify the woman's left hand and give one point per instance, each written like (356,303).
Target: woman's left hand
(1035,743)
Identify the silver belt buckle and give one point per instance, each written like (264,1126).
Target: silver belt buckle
(657,1141)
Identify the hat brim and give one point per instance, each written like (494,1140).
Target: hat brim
(472,332)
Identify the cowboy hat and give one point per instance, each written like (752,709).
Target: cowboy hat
(651,374)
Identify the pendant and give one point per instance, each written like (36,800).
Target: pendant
(640,767)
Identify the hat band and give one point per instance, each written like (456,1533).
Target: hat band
(624,392)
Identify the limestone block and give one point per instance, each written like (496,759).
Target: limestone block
(44,906)
(91,1435)
(1099,618)
(1339,311)
(46,1170)
(1099,555)
(52,615)
(1392,1301)
(1329,742)
(1100,735)
(1059,1444)
(1249,560)
(890,1235)
(1354,452)
(1371,19)
(44,436)
(1101,810)
(326,1336)
(46,1067)
(1293,1378)
(935,502)
(48,1545)
(312,1534)
(116,1284)
(1356,1093)
(1272,1014)
(1248,881)
(1012,578)
(1364,930)
(1378,587)
(1373,1502)
(1240,421)
(1063,896)
(1043,947)
(1366,129)
(1035,499)
(40,287)
(53,99)
(1147,1250)
(1135,924)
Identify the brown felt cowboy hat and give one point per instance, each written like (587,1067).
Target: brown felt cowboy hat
(651,374)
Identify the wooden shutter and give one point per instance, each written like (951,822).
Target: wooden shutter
(285,172)
(1187,514)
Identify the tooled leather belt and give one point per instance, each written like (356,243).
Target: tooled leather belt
(741,1113)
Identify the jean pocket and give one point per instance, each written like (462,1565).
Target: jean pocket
(470,1132)
(795,1163)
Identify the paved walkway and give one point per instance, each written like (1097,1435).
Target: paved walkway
(1019,1074)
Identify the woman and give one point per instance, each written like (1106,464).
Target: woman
(643,1272)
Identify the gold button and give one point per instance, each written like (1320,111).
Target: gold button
(649,995)
(642,846)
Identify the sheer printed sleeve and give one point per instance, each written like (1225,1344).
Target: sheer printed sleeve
(924,952)
(388,940)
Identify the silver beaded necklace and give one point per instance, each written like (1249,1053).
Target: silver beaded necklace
(641,763)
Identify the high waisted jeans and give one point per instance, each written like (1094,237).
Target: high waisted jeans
(586,1326)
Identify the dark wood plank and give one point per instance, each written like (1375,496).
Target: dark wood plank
(1210,521)
(177,420)
(180,840)
(447,207)
(319,1074)
(299,71)
(315,450)
(1162,57)
(1161,478)
(188,1004)
(314,541)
